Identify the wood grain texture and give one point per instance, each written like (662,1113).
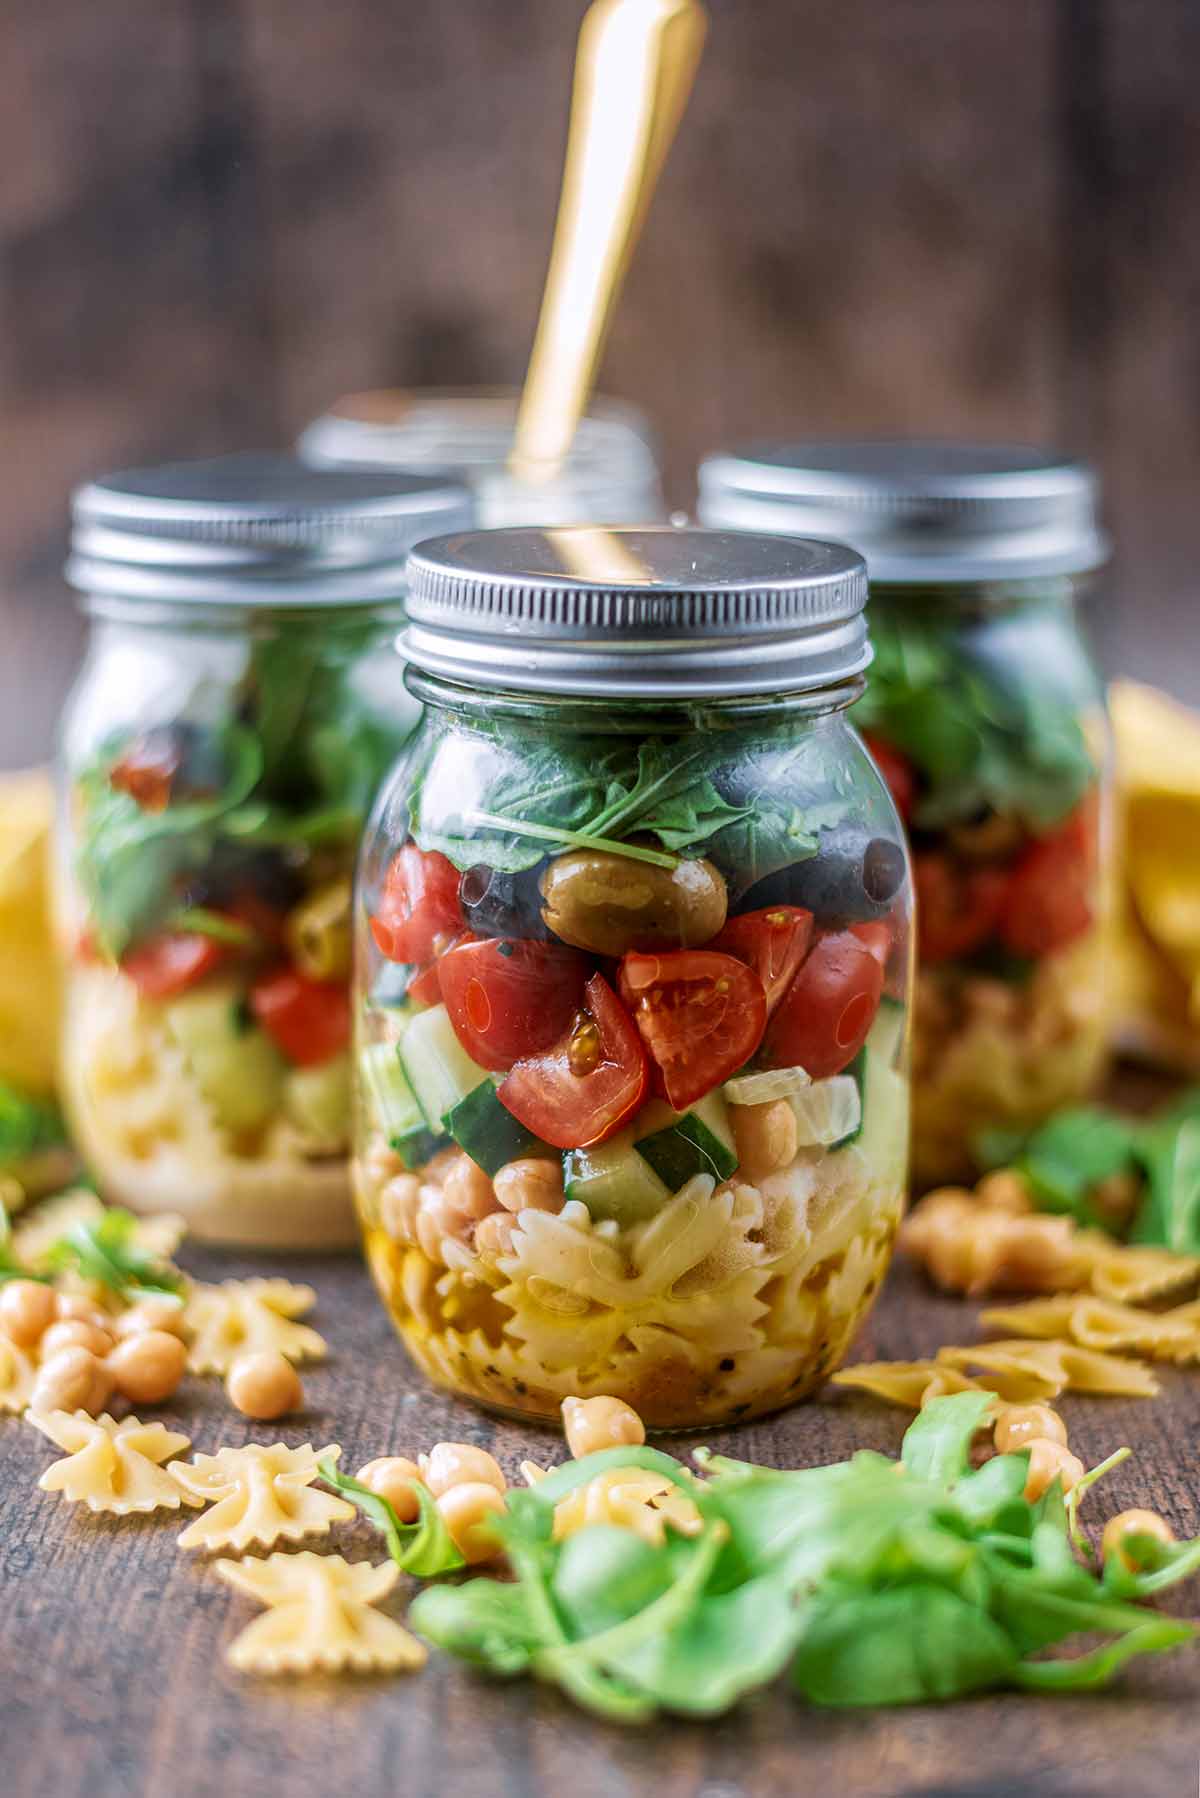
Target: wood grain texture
(926,217)
(113,1683)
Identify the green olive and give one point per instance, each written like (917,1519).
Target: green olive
(611,903)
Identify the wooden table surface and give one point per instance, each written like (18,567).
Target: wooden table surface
(113,1682)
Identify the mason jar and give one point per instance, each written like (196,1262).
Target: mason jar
(987,719)
(610,471)
(240,700)
(632,975)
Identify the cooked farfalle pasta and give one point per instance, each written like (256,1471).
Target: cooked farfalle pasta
(319,1616)
(630,1497)
(244,1317)
(112,1466)
(17,1374)
(1102,1324)
(259,1494)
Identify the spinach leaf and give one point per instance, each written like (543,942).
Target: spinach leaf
(937,1443)
(903,1646)
(424,1547)
(485,1622)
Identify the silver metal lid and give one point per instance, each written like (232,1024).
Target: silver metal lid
(918,512)
(255,530)
(656,613)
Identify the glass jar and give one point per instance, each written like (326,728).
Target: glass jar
(611,471)
(987,720)
(632,969)
(240,700)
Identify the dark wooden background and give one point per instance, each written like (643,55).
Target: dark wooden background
(923,215)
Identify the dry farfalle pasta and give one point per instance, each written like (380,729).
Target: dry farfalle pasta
(911,1384)
(259,1494)
(1059,1366)
(242,1317)
(630,1497)
(17,1375)
(319,1616)
(1131,1275)
(50,1221)
(111,1466)
(1102,1324)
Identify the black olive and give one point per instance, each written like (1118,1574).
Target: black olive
(852,879)
(503,904)
(234,870)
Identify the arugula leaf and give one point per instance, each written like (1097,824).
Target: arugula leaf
(937,1443)
(424,1547)
(27,1125)
(107,1251)
(917,1642)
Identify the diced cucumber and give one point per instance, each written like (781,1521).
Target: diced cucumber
(696,1141)
(828,1111)
(889,1033)
(614,1181)
(489,1133)
(318,1099)
(242,1079)
(883,1138)
(760,1089)
(394,1105)
(206,1019)
(439,1070)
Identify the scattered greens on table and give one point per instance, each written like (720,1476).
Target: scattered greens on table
(1066,1159)
(869,1582)
(982,735)
(27,1127)
(104,1249)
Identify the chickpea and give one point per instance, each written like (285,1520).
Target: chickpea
(609,904)
(433,1225)
(27,1308)
(466,1511)
(399,1203)
(393,1477)
(594,1423)
(467,1190)
(1019,1425)
(494,1234)
(74,1305)
(155,1312)
(766,1136)
(1005,1190)
(148,1366)
(73,1332)
(1133,1523)
(530,1185)
(72,1380)
(1049,1461)
(460,1464)
(264,1386)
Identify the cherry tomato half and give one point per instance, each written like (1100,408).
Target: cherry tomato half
(827,1011)
(1048,903)
(876,937)
(425,987)
(590,1083)
(509,998)
(773,942)
(308,1019)
(419,905)
(899,775)
(701,1014)
(165,965)
(957,909)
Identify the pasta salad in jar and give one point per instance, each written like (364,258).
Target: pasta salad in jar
(987,720)
(241,699)
(632,974)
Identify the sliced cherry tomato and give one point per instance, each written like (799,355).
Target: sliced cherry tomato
(509,998)
(773,942)
(899,775)
(590,1083)
(958,909)
(876,937)
(308,1019)
(1049,903)
(419,905)
(165,965)
(828,1009)
(147,770)
(701,1014)
(425,987)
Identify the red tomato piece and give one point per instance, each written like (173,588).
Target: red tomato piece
(828,1009)
(773,942)
(590,1083)
(419,906)
(165,965)
(1049,899)
(899,775)
(957,909)
(876,937)
(701,1014)
(147,771)
(309,1020)
(425,987)
(509,998)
